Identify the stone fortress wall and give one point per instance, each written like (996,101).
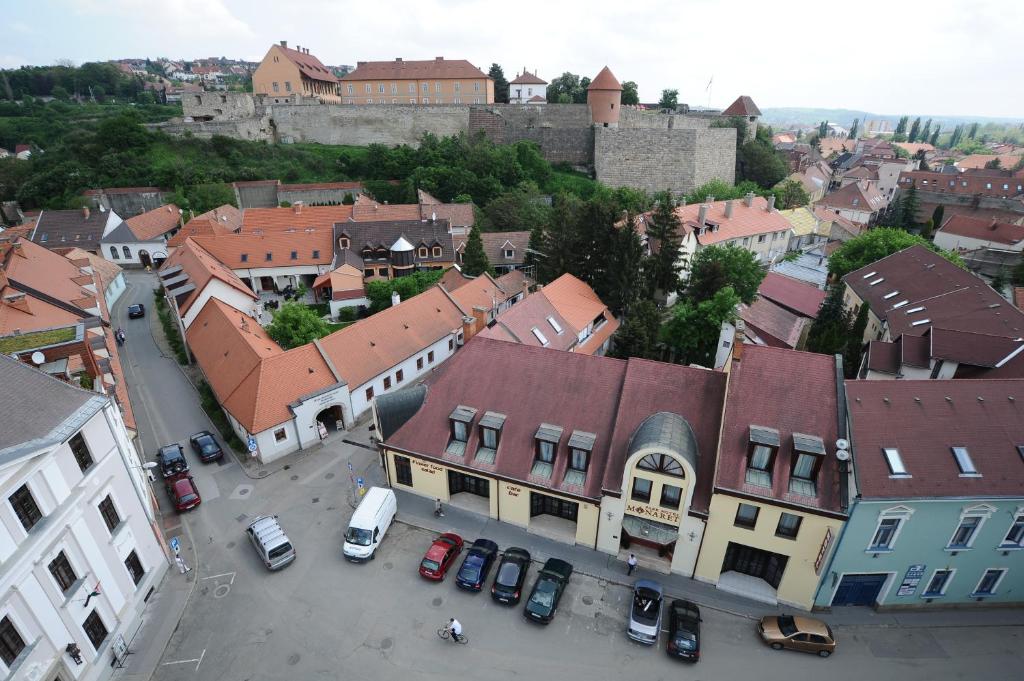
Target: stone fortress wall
(644,150)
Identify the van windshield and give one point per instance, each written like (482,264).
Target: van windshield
(358,536)
(279,551)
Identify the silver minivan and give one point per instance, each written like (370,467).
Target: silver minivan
(270,542)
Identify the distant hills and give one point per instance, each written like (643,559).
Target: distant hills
(781,117)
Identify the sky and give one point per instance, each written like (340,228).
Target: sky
(939,57)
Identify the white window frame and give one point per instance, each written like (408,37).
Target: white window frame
(1018,517)
(282,429)
(895,471)
(901,513)
(964,462)
(995,587)
(949,580)
(982,512)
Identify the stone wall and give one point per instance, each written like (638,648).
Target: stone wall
(315,197)
(256,196)
(130,204)
(562,131)
(220,106)
(390,124)
(630,118)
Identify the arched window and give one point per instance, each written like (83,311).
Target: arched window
(127,253)
(113,252)
(661,463)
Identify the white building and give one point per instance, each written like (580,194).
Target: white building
(527,88)
(141,240)
(78,544)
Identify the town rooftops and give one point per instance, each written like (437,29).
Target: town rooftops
(527,78)
(533,321)
(367,238)
(224,219)
(773,324)
(401,69)
(794,295)
(920,422)
(1005,233)
(148,226)
(746,220)
(196,263)
(282,247)
(605,80)
(761,389)
(981,160)
(501,247)
(82,228)
(862,195)
(294,217)
(308,65)
(743,106)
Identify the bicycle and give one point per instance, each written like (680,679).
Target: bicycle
(446,633)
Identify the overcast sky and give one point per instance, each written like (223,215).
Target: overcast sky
(942,57)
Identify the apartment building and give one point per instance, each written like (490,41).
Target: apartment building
(287,71)
(437,81)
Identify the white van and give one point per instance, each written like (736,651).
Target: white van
(369,523)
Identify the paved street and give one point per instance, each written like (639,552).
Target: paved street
(325,618)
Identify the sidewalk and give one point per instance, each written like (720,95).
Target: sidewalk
(419,512)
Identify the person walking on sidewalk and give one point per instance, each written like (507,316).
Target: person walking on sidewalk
(630,564)
(438,509)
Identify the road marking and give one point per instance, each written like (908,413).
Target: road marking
(201,656)
(223,574)
(196,659)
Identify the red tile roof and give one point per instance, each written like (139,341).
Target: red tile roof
(745,221)
(862,195)
(792,294)
(527,78)
(743,106)
(762,387)
(309,65)
(605,80)
(402,69)
(200,267)
(223,220)
(984,230)
(311,246)
(775,325)
(154,223)
(298,217)
(516,323)
(923,420)
(574,300)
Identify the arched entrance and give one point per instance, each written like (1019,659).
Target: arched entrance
(144,258)
(330,420)
(158,258)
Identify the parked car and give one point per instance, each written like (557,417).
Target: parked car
(476,565)
(684,630)
(508,583)
(440,556)
(270,542)
(183,492)
(798,633)
(645,615)
(137,310)
(171,460)
(369,524)
(547,591)
(205,446)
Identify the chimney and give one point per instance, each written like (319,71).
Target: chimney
(702,215)
(398,59)
(299,48)
(749,199)
(771,203)
(284,43)
(728,209)
(297,207)
(710,199)
(438,58)
(360,63)
(85,212)
(395,298)
(994,226)
(18,301)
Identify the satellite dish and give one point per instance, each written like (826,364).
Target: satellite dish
(842,444)
(843,454)
(38,358)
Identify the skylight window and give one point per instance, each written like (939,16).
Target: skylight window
(869,274)
(900,304)
(540,336)
(877,281)
(896,467)
(919,322)
(887,296)
(915,309)
(555,325)
(963,461)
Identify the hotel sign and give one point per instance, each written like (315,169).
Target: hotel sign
(823,551)
(652,512)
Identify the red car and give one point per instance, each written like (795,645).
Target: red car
(440,556)
(183,492)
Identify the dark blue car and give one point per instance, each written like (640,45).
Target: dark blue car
(475,566)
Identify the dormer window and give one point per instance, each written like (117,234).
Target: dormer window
(581,444)
(343,242)
(460,421)
(764,445)
(490,436)
(437,251)
(964,463)
(546,439)
(808,453)
(509,254)
(423,251)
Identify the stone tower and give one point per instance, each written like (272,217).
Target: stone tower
(604,96)
(744,106)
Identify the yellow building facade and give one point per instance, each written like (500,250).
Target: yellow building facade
(285,72)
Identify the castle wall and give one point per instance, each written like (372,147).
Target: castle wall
(562,131)
(390,124)
(256,196)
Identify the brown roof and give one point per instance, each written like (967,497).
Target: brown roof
(1018,297)
(250,248)
(976,349)
(154,223)
(57,228)
(574,300)
(792,294)
(223,220)
(743,106)
(745,220)
(453,279)
(761,390)
(923,420)
(200,267)
(884,356)
(516,323)
(984,230)
(775,325)
(495,244)
(32,266)
(914,147)
(513,281)
(308,65)
(859,195)
(969,182)
(346,282)
(107,270)
(605,80)
(297,217)
(527,78)
(372,345)
(401,69)
(979,160)
(480,292)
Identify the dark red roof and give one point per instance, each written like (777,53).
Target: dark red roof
(923,420)
(976,349)
(605,80)
(774,324)
(743,106)
(309,65)
(984,230)
(527,78)
(792,294)
(763,390)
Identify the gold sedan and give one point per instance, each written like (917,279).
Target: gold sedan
(798,633)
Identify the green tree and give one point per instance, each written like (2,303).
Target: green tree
(994,164)
(737,122)
(934,141)
(759,162)
(693,329)
(830,332)
(823,130)
(205,197)
(536,252)
(901,126)
(500,83)
(927,228)
(790,194)
(638,335)
(520,209)
(669,99)
(999,281)
(294,324)
(1017,274)
(620,280)
(630,94)
(911,204)
(854,350)
(474,259)
(379,292)
(61,93)
(717,267)
(568,88)
(666,244)
(915,128)
(853,129)
(938,214)
(926,131)
(876,244)
(564,245)
(973,132)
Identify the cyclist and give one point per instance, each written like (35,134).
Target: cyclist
(455,627)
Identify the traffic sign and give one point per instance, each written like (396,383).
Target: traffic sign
(175,546)
(251,444)
(359,483)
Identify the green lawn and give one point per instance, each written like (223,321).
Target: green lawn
(36,339)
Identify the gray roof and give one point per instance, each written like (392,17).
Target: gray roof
(122,234)
(76,229)
(41,411)
(383,234)
(670,431)
(394,409)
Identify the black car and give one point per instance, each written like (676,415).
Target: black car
(684,631)
(205,446)
(508,583)
(137,310)
(171,459)
(547,591)
(475,566)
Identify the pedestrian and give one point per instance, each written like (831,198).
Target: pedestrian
(630,564)
(438,509)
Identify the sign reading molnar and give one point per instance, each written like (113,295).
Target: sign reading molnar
(645,511)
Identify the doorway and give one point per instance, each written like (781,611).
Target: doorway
(144,258)
(331,419)
(755,562)
(859,589)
